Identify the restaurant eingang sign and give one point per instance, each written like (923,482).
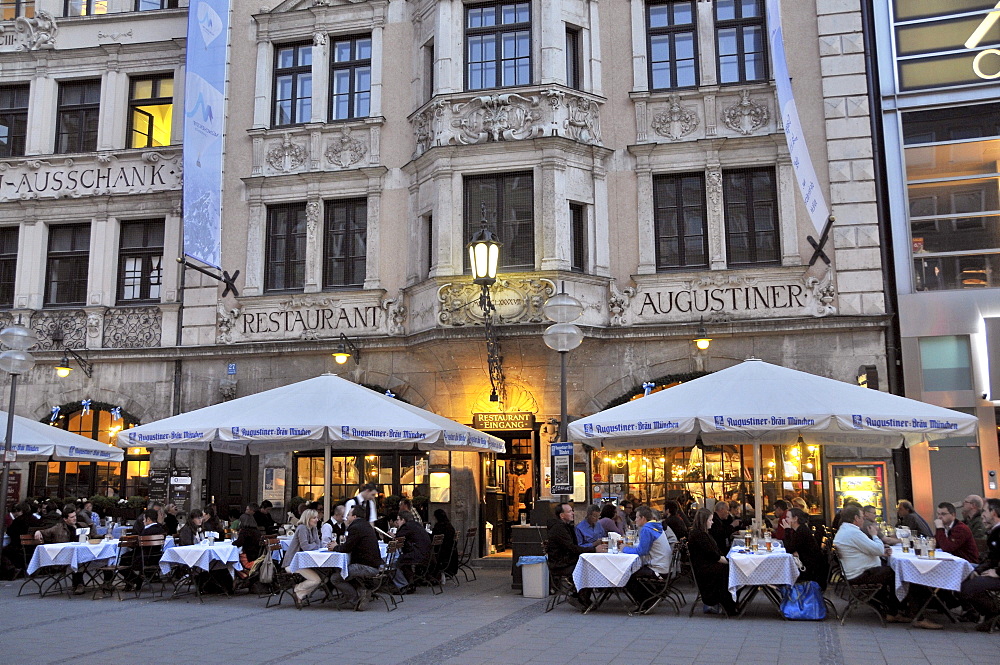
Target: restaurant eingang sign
(503,421)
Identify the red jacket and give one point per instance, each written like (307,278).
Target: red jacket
(958,541)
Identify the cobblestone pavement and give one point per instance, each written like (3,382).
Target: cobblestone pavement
(479,623)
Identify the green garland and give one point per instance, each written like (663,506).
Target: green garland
(663,380)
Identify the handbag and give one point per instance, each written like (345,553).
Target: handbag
(266,568)
(803,601)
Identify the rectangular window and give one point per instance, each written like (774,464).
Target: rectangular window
(946,363)
(292,85)
(739,36)
(679,218)
(77,118)
(573,58)
(346,244)
(578,237)
(286,248)
(673,52)
(509,199)
(350,78)
(12,9)
(151,110)
(429,68)
(67,265)
(140,261)
(147,5)
(751,216)
(85,7)
(8,264)
(498,45)
(13,119)
(429,224)
(952,185)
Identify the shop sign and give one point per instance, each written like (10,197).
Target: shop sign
(516,300)
(107,174)
(562,468)
(13,487)
(305,317)
(726,297)
(158,481)
(503,421)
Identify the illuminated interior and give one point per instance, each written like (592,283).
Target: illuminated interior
(151,112)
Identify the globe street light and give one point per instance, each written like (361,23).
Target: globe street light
(15,361)
(562,336)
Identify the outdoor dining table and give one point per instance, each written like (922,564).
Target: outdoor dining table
(74,555)
(760,571)
(201,556)
(944,571)
(607,574)
(324,558)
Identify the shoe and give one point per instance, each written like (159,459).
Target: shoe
(985,627)
(927,624)
(576,602)
(359,606)
(897,618)
(970,616)
(711,609)
(297,601)
(78,590)
(407,590)
(346,604)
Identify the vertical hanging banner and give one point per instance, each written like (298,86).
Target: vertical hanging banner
(812,195)
(204,127)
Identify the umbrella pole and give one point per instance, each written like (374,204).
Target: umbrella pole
(758,489)
(327,463)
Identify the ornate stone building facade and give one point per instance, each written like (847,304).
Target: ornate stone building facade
(628,151)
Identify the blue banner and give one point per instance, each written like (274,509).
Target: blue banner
(805,174)
(204,128)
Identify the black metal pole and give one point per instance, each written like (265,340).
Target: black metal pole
(563,424)
(8,442)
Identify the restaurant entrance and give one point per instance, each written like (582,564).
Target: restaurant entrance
(508,481)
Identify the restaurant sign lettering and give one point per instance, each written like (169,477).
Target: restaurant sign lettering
(503,421)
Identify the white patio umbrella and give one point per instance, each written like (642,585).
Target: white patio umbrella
(36,442)
(759,403)
(325,411)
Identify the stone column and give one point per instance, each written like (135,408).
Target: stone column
(256,225)
(320,77)
(372,267)
(448,41)
(102,271)
(378,27)
(591,44)
(552,37)
(177,117)
(29,284)
(552,228)
(640,72)
(314,245)
(262,85)
(42,125)
(448,217)
(706,44)
(715,222)
(598,228)
(114,107)
(647,234)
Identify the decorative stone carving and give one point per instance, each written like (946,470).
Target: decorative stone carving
(287,155)
(584,121)
(395,315)
(517,300)
(227,320)
(37,33)
(94,321)
(505,117)
(745,116)
(344,150)
(824,293)
(319,39)
(227,389)
(618,301)
(312,219)
(676,121)
(713,185)
(427,125)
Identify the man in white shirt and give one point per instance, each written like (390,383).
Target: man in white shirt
(366,497)
(859,555)
(333,527)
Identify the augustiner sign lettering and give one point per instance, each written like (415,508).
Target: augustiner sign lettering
(503,421)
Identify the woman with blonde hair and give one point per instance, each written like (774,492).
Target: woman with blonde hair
(306,538)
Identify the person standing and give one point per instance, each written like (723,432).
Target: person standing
(365,498)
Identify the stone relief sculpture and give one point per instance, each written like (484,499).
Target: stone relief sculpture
(584,122)
(618,302)
(745,116)
(38,32)
(395,315)
(287,155)
(312,218)
(227,320)
(518,300)
(503,117)
(676,121)
(823,293)
(345,150)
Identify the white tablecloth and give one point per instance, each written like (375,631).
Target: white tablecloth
(596,571)
(73,555)
(201,556)
(777,567)
(324,558)
(944,571)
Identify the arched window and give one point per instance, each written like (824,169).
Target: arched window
(80,479)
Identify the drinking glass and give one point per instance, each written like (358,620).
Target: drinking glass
(906,545)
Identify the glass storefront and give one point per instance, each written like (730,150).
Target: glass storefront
(653,475)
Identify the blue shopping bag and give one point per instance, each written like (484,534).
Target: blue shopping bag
(803,602)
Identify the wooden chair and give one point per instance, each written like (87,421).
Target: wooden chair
(427,573)
(381,586)
(109,574)
(465,555)
(150,553)
(858,595)
(46,577)
(664,587)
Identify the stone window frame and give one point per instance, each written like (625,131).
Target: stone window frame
(353,66)
(498,30)
(134,103)
(752,233)
(8,263)
(296,72)
(672,31)
(741,23)
(355,224)
(681,224)
(80,256)
(151,257)
(82,111)
(9,116)
(289,257)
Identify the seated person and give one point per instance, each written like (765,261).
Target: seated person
(972,515)
(798,539)
(448,558)
(250,540)
(264,520)
(674,521)
(85,518)
(975,595)
(871,518)
(607,520)
(333,528)
(909,517)
(150,527)
(416,549)
(247,519)
(305,538)
(564,551)
(24,523)
(191,532)
(589,531)
(64,532)
(723,526)
(711,568)
(780,521)
(860,557)
(362,544)
(954,537)
(655,550)
(406,504)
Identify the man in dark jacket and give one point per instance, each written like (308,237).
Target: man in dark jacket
(264,519)
(562,548)
(416,549)
(64,532)
(22,525)
(723,526)
(909,517)
(150,527)
(362,544)
(986,578)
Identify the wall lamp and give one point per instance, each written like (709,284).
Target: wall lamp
(345,350)
(703,341)
(63,368)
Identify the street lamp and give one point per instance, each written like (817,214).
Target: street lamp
(345,351)
(484,259)
(15,361)
(703,341)
(562,336)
